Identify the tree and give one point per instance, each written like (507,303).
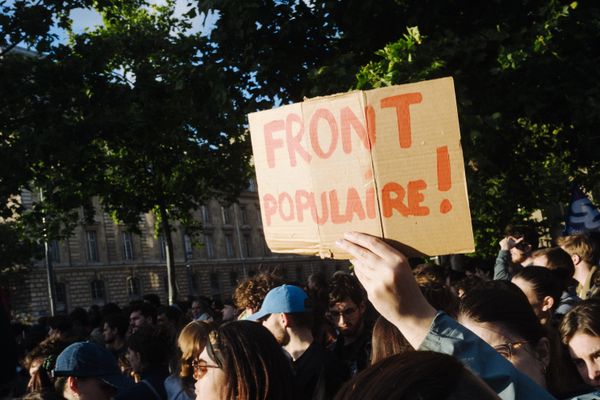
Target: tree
(527,87)
(525,76)
(136,112)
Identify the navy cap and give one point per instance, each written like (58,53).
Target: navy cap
(282,299)
(90,360)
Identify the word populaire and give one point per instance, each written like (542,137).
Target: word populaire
(326,206)
(292,130)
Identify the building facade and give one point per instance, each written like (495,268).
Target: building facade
(103,262)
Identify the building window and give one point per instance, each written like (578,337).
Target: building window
(244,215)
(233,277)
(127,246)
(92,246)
(187,247)
(98,293)
(226,212)
(229,246)
(133,287)
(215,285)
(162,247)
(209,246)
(246,245)
(60,291)
(54,250)
(252,185)
(204,210)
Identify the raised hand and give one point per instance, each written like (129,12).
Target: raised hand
(386,276)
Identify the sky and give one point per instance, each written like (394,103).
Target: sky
(88,19)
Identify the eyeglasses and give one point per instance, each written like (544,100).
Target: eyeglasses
(507,350)
(201,368)
(522,246)
(338,314)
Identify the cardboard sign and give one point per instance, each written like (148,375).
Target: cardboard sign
(386,162)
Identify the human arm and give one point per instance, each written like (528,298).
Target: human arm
(501,272)
(390,285)
(386,276)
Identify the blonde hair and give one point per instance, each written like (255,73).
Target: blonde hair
(580,244)
(191,342)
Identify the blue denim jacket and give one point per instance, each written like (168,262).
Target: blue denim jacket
(449,337)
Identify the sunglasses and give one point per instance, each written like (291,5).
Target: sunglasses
(201,368)
(507,350)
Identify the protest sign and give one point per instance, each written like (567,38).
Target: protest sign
(385,161)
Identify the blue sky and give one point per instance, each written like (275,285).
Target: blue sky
(88,19)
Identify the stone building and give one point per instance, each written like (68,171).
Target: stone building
(103,262)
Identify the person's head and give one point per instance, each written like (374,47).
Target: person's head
(283,312)
(250,293)
(387,341)
(168,317)
(152,299)
(141,314)
(147,348)
(242,361)
(557,260)
(423,375)
(529,242)
(198,308)
(191,342)
(581,247)
(114,328)
(542,288)
(59,326)
(347,304)
(580,331)
(85,370)
(499,313)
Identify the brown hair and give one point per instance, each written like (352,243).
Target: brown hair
(251,292)
(387,341)
(424,375)
(584,317)
(580,244)
(252,360)
(191,342)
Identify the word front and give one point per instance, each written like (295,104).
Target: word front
(288,133)
(326,207)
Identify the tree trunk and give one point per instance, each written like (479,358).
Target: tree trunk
(166,231)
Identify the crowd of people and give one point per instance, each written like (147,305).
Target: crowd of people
(388,328)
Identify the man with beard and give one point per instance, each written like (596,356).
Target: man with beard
(317,373)
(347,306)
(516,249)
(114,330)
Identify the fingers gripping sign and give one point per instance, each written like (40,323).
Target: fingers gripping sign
(386,276)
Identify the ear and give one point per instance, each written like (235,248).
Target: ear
(284,319)
(362,307)
(543,351)
(72,384)
(547,303)
(576,259)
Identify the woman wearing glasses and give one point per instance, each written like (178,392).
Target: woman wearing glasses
(191,342)
(242,361)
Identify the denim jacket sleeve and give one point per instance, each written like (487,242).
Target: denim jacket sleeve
(449,337)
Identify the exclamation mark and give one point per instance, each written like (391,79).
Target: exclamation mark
(444,177)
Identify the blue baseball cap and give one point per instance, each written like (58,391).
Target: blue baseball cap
(282,299)
(90,360)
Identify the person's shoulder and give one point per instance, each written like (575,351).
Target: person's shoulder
(587,396)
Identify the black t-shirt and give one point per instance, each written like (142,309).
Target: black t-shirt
(318,374)
(356,355)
